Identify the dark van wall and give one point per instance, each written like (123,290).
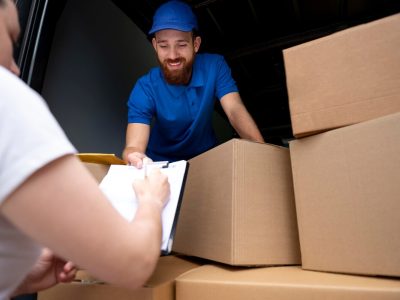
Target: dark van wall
(97,55)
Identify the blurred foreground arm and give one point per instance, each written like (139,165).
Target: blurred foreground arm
(62,207)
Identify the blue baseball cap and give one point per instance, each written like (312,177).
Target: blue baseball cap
(174,15)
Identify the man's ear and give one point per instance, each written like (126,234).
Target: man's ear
(154,43)
(196,43)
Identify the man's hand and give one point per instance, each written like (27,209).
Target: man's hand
(47,272)
(138,159)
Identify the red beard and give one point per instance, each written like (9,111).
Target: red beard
(179,76)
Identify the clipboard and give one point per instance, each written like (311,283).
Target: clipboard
(100,158)
(117,186)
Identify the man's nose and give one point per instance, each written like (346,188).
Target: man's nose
(173,53)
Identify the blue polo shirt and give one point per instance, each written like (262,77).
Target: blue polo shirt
(181,115)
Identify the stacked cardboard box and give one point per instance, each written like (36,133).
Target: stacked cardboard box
(216,282)
(346,180)
(238,206)
(347,198)
(344,78)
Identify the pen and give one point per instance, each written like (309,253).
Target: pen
(156,164)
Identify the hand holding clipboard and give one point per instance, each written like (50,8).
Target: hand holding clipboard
(117,186)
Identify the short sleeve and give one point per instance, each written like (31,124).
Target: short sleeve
(30,136)
(225,83)
(140,103)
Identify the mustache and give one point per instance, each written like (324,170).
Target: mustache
(176,60)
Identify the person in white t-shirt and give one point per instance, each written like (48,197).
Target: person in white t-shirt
(47,197)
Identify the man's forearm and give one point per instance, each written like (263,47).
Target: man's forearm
(246,127)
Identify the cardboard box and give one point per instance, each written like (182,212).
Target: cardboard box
(98,164)
(280,283)
(347,190)
(344,78)
(97,170)
(238,206)
(161,285)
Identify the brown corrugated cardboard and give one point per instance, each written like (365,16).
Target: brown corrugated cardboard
(347,190)
(97,170)
(344,78)
(161,285)
(280,283)
(238,206)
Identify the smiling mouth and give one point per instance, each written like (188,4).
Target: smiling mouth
(175,65)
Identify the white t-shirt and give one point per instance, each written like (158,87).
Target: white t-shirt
(30,138)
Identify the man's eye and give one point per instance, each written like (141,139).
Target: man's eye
(182,45)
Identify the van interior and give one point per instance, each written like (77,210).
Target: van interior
(84,57)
